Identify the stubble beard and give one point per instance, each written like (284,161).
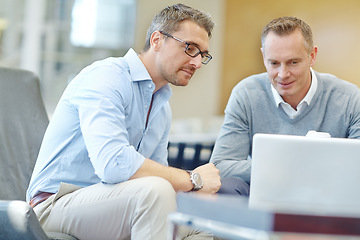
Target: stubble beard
(173,78)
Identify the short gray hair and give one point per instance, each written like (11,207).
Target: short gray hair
(170,17)
(286,25)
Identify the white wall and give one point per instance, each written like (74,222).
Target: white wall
(200,98)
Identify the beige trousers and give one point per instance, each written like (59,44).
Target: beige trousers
(135,209)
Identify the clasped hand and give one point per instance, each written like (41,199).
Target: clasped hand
(210,177)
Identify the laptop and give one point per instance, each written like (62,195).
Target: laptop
(313,174)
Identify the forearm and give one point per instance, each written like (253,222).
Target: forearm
(232,159)
(240,169)
(178,178)
(232,148)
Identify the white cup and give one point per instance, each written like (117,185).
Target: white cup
(316,134)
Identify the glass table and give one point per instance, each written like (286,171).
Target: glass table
(229,217)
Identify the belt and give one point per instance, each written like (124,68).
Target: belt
(42,196)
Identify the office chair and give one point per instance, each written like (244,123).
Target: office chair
(23,121)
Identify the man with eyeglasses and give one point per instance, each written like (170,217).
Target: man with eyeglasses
(102,170)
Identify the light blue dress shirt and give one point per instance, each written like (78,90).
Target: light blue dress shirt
(98,131)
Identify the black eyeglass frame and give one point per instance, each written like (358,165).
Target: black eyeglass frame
(206,57)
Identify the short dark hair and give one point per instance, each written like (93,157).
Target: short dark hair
(170,17)
(285,26)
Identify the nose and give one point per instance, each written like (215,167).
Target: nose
(283,72)
(196,61)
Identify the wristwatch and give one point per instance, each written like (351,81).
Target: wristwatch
(196,180)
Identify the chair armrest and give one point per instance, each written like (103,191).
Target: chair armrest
(19,222)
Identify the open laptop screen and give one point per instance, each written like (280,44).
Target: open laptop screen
(305,174)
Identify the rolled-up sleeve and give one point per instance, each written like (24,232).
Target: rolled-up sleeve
(103,125)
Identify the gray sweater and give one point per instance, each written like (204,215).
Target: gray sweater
(251,109)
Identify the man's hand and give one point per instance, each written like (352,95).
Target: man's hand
(210,177)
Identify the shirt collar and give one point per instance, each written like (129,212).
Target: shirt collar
(137,68)
(139,72)
(308,97)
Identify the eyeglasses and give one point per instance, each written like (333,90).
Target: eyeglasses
(191,49)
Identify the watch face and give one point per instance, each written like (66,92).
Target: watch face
(197,181)
(197,178)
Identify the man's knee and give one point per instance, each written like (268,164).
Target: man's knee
(235,186)
(157,190)
(155,198)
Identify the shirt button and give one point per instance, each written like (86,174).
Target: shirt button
(149,86)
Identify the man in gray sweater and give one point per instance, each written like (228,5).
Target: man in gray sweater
(291,98)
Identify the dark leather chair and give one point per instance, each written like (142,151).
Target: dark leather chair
(23,120)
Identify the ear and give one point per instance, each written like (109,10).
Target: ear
(156,40)
(313,55)
(263,55)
